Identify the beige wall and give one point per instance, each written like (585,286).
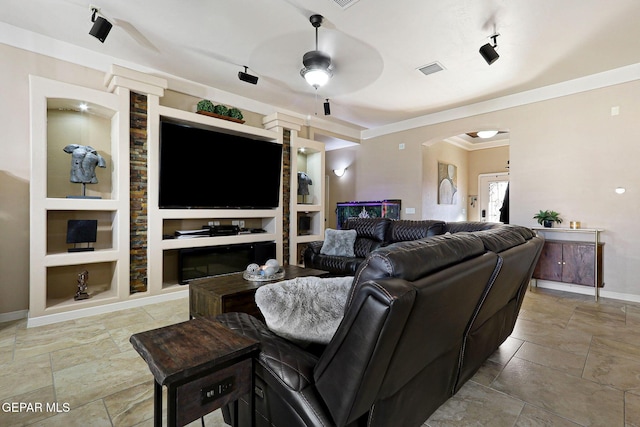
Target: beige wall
(341,189)
(470,164)
(442,152)
(567,154)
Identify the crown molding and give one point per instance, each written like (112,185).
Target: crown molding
(595,81)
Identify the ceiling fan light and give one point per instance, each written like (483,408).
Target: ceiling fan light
(316,77)
(487,133)
(316,69)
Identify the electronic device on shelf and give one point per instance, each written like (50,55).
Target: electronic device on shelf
(184,234)
(222,230)
(252,230)
(209,231)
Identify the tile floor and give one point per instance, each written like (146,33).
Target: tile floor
(570,362)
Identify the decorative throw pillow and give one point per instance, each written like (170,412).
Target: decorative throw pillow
(339,242)
(305,309)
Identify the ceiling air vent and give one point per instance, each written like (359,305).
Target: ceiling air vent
(345,3)
(434,67)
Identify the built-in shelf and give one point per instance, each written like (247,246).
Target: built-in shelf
(163,223)
(57,124)
(307,198)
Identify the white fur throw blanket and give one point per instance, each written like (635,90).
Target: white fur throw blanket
(305,309)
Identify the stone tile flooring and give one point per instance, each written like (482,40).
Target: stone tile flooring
(569,362)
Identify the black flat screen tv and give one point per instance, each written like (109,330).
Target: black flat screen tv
(207,169)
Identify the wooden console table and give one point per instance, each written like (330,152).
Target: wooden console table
(552,264)
(204,365)
(231,292)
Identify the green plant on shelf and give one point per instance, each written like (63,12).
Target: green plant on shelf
(547,218)
(206,105)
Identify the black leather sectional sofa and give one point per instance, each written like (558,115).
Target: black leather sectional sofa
(372,233)
(421,318)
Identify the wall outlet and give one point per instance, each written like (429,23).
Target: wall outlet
(216,222)
(401,146)
(410,211)
(210,223)
(235,222)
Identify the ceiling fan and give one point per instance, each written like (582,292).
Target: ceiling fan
(317,64)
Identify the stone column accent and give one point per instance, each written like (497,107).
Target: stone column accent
(286,194)
(138,192)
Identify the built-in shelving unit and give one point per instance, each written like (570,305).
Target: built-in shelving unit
(162,244)
(57,121)
(307,220)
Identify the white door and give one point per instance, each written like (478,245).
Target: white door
(492,188)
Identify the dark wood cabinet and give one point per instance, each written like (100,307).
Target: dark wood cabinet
(570,262)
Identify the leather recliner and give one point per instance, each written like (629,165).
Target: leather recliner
(421,318)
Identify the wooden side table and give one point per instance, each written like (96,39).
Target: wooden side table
(231,292)
(203,364)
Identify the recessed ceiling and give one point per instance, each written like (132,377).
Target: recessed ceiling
(375,46)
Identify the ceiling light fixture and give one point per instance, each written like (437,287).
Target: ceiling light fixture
(488,51)
(317,64)
(101,26)
(327,108)
(487,133)
(245,77)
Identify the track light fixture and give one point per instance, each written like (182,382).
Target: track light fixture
(317,64)
(488,51)
(101,26)
(242,75)
(327,108)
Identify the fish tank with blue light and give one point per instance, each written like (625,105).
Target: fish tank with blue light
(367,209)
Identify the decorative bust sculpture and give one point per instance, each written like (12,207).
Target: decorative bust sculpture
(304,181)
(84,160)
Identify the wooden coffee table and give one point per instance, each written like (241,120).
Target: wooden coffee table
(232,293)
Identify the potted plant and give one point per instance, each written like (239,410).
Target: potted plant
(547,218)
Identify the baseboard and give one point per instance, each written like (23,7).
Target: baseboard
(585,290)
(14,315)
(48,319)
